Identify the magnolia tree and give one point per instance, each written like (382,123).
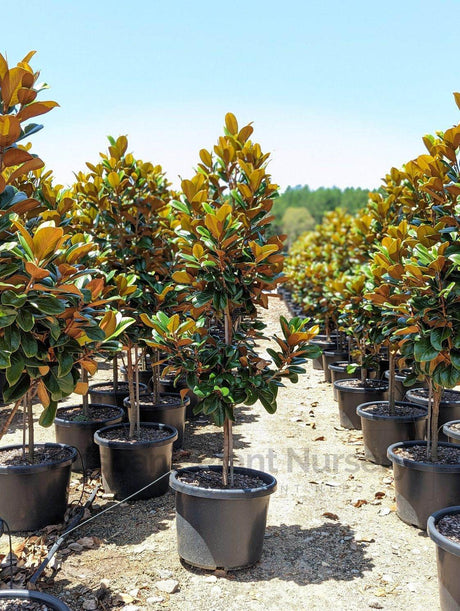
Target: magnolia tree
(123,203)
(226,266)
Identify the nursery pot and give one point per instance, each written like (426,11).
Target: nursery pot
(329,357)
(423,487)
(400,389)
(48,601)
(350,395)
(167,386)
(145,376)
(339,372)
(449,409)
(172,413)
(221,528)
(381,431)
(33,496)
(324,344)
(80,433)
(127,466)
(448,561)
(452,431)
(99,394)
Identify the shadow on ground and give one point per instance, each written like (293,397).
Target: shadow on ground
(307,555)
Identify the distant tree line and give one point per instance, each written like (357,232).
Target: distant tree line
(300,208)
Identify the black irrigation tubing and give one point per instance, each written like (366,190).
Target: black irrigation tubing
(3,524)
(75,523)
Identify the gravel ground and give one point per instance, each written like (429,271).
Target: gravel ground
(333,539)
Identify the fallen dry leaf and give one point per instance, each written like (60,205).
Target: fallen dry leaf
(330,516)
(360,503)
(322,438)
(379,495)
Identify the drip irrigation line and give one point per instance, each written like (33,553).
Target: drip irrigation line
(75,523)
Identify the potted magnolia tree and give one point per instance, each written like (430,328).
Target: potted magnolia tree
(427,474)
(123,204)
(225,266)
(387,422)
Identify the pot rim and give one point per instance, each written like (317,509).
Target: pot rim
(35,595)
(219,493)
(71,423)
(39,467)
(123,445)
(342,385)
(420,465)
(448,431)
(444,542)
(444,402)
(160,406)
(370,416)
(109,392)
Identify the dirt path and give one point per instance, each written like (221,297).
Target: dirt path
(333,540)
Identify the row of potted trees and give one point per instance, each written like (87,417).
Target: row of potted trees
(121,267)
(400,292)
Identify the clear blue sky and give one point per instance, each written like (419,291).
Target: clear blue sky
(338,91)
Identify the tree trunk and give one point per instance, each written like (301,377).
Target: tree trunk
(132,396)
(391,380)
(30,425)
(115,373)
(84,379)
(437,393)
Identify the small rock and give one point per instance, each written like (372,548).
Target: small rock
(412,587)
(384,511)
(168,585)
(75,547)
(134,592)
(210,579)
(164,574)
(153,600)
(89,604)
(107,495)
(123,598)
(130,608)
(104,583)
(216,591)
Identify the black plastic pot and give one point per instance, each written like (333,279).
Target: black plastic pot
(51,602)
(129,466)
(381,431)
(422,487)
(448,410)
(349,397)
(112,397)
(324,344)
(330,357)
(400,389)
(448,561)
(80,434)
(221,528)
(166,413)
(33,496)
(145,376)
(453,435)
(167,386)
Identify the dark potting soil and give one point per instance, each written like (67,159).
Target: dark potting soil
(449,526)
(207,478)
(19,604)
(446,455)
(42,455)
(147,401)
(400,410)
(447,395)
(147,433)
(122,386)
(367,384)
(95,414)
